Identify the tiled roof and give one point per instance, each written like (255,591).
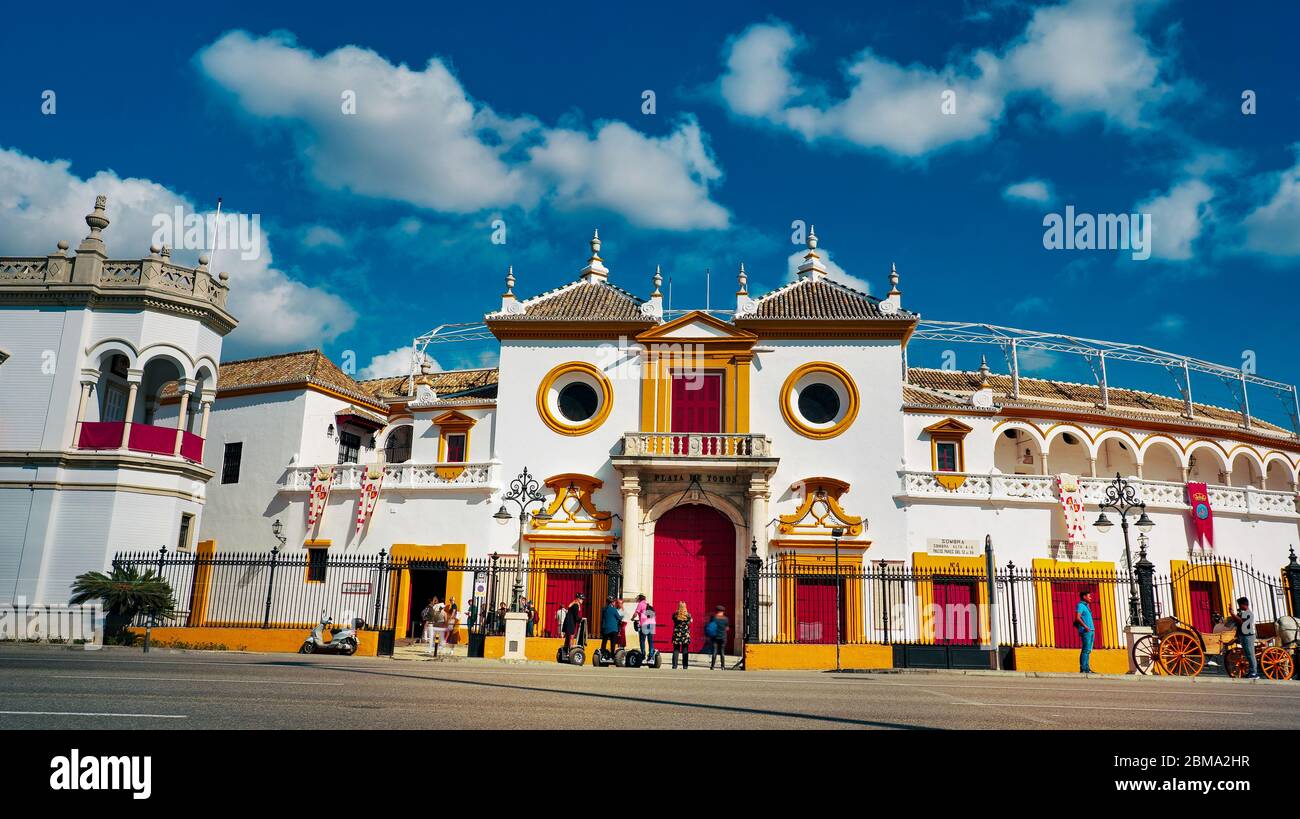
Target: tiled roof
(580,301)
(304,367)
(473,384)
(819,297)
(1040,393)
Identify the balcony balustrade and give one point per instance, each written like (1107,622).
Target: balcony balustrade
(405,476)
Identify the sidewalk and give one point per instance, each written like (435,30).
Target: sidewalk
(1215,677)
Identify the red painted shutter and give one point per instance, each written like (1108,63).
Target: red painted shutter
(1065,601)
(814,610)
(953,624)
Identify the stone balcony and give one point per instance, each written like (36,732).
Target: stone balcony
(410,477)
(1002,489)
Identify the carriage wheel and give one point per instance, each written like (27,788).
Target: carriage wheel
(1181,655)
(1234,662)
(1146,655)
(1275,663)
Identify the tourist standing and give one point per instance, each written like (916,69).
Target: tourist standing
(716,631)
(682,635)
(1083,625)
(647,632)
(1245,619)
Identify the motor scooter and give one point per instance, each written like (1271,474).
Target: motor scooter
(342,640)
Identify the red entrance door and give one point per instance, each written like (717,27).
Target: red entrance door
(560,590)
(956,617)
(814,610)
(1205,595)
(697,407)
(1065,601)
(695,562)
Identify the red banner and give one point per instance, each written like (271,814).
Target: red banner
(1198,497)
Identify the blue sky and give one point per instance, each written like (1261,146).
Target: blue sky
(379,224)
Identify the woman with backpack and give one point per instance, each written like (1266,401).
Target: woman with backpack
(682,634)
(716,631)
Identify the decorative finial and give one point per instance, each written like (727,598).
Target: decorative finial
(166,252)
(63,245)
(893,280)
(658,280)
(744,281)
(510,281)
(97,221)
(984,371)
(595,269)
(812,260)
(203,260)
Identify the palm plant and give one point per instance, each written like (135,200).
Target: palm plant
(126,593)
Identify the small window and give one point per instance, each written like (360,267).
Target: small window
(183,539)
(578,401)
(317,559)
(397,448)
(456,448)
(114,408)
(945,454)
(819,403)
(349,448)
(230,462)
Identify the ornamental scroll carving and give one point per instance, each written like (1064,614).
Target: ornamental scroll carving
(821,511)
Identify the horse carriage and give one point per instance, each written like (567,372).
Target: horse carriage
(1177,649)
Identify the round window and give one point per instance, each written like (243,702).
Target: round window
(819,403)
(578,402)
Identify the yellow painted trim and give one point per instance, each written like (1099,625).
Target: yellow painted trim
(796,423)
(1059,570)
(821,524)
(926,567)
(585,486)
(570,558)
(201,585)
(249,638)
(815,656)
(787,588)
(314,544)
(1182,574)
(1066,660)
(452,423)
(401,582)
(948,431)
(602,412)
(818,543)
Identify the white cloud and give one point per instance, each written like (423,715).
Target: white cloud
(42,202)
(1171,324)
(1273,228)
(1086,57)
(1030,190)
(393,362)
(1178,217)
(833,270)
(1030,304)
(417,136)
(322,236)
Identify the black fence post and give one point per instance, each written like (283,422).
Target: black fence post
(162,557)
(270,585)
(1146,572)
(1292,571)
(884,600)
(614,571)
(1011,592)
(379,585)
(753,565)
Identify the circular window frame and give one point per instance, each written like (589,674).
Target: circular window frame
(847,390)
(548,397)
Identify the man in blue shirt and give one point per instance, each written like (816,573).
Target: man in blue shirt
(1083,623)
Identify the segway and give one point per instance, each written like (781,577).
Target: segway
(577,655)
(602,658)
(635,659)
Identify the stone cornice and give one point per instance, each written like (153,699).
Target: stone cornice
(102,459)
(93,297)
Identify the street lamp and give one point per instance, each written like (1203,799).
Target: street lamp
(524,492)
(836,534)
(1122,498)
(277,529)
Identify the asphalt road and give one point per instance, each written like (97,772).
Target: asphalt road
(51,688)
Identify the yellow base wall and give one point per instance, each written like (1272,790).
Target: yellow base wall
(817,657)
(1103,661)
(535,648)
(249,639)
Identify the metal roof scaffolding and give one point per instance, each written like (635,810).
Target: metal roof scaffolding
(1097,353)
(1012,341)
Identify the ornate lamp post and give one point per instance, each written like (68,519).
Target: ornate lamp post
(1122,498)
(524,492)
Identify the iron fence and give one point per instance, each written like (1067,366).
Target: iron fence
(802,600)
(378,592)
